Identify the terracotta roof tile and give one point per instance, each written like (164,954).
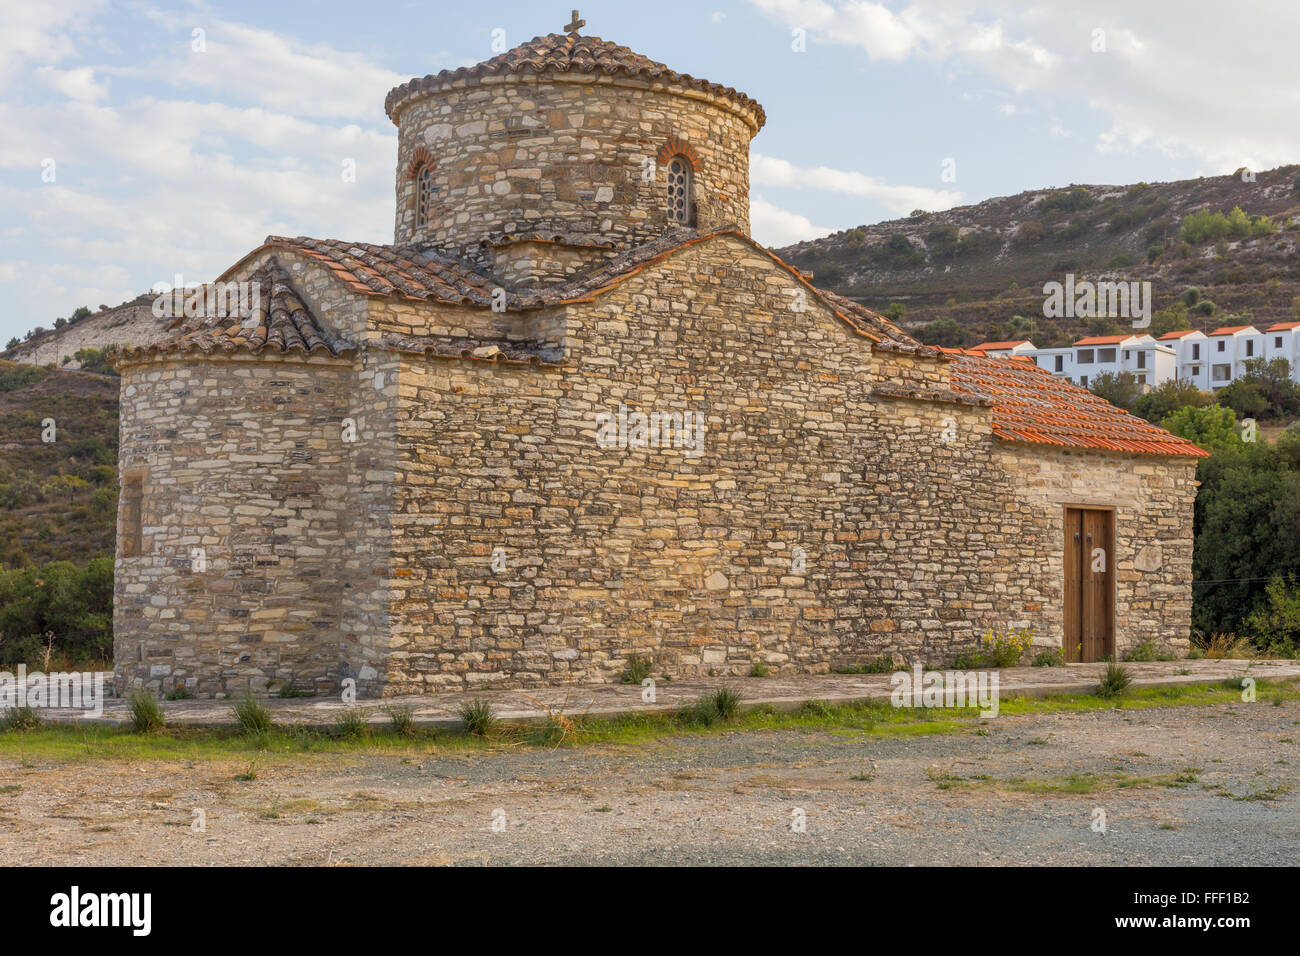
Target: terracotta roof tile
(1230,329)
(1283,326)
(1175,335)
(986,346)
(278,321)
(565,53)
(1104,340)
(1031,405)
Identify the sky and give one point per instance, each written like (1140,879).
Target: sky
(140,141)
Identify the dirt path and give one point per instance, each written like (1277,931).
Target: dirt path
(721,799)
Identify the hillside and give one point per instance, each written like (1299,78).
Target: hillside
(58,500)
(982,266)
(131,323)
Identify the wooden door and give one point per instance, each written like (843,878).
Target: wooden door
(1089,584)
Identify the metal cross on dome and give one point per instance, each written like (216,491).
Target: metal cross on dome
(572,28)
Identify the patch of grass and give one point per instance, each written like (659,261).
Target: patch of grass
(20,719)
(1146,650)
(726,702)
(146,714)
(636,669)
(760,670)
(1115,682)
(857,720)
(478,718)
(178,693)
(352,724)
(288,691)
(249,773)
(253,717)
(1051,657)
(401,719)
(879,665)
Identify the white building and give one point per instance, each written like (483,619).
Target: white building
(1229,348)
(1283,341)
(1006,349)
(1206,361)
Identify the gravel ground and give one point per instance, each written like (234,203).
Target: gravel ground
(720,799)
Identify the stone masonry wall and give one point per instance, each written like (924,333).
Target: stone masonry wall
(913,535)
(565,153)
(245,458)
(1152,499)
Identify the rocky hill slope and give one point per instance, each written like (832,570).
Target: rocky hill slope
(982,267)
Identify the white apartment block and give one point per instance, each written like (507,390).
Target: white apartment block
(1207,361)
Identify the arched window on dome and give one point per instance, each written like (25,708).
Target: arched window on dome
(681,199)
(424,193)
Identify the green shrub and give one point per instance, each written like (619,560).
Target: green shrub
(178,693)
(760,670)
(478,718)
(1115,682)
(253,717)
(1049,658)
(1274,625)
(726,702)
(636,669)
(401,719)
(146,713)
(352,724)
(20,718)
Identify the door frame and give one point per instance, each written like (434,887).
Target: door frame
(1113,597)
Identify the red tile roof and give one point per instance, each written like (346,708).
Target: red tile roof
(1283,326)
(1032,405)
(986,346)
(565,53)
(1229,329)
(280,321)
(1105,340)
(1176,335)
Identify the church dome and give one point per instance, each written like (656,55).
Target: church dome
(569,137)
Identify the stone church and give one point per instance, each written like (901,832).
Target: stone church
(574,413)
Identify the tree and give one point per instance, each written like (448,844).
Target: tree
(944,332)
(1172,318)
(13,343)
(1213,427)
(1265,390)
(1274,624)
(1167,397)
(80,313)
(1119,389)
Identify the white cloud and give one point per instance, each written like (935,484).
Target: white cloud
(1186,83)
(78,84)
(767,171)
(775,227)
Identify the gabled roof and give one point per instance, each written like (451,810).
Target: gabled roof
(280,321)
(999,346)
(566,53)
(1283,326)
(1033,406)
(1180,333)
(400,271)
(404,271)
(1232,329)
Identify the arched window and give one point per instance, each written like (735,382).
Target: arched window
(679,190)
(424,191)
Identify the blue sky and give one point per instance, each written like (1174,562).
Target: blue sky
(127,156)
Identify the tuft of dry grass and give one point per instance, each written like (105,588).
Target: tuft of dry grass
(1220,646)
